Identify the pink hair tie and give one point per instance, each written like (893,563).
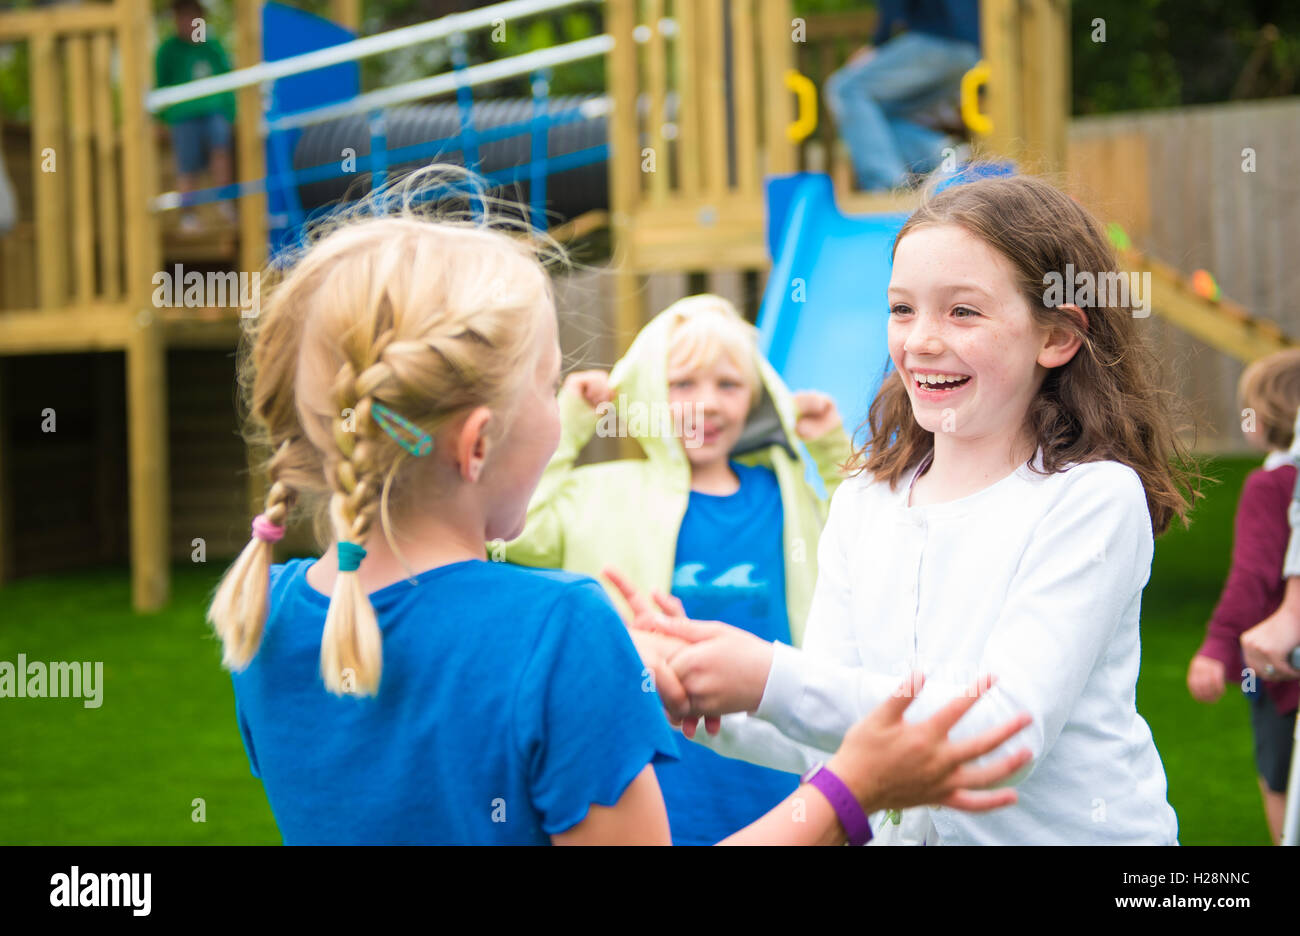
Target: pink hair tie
(267,531)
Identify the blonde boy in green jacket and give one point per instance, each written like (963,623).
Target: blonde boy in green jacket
(719,512)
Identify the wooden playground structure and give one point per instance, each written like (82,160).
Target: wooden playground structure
(78,274)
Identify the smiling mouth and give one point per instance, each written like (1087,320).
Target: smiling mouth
(939,384)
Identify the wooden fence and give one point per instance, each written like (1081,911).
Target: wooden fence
(1210,188)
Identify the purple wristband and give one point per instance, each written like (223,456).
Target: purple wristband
(845,804)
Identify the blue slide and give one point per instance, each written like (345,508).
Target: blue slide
(824,314)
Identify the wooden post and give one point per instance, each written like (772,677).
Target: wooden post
(1047,128)
(146,361)
(251,159)
(106,163)
(778,57)
(250,148)
(624,165)
(347,13)
(51,164)
(1000,38)
(713,98)
(744,97)
(79,143)
(690,154)
(657,77)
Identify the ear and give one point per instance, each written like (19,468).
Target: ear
(472,444)
(1062,343)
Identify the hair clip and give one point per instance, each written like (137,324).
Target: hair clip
(416,440)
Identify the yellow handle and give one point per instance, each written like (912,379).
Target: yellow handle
(806,91)
(971,82)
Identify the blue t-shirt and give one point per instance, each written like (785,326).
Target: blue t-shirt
(730,566)
(511,699)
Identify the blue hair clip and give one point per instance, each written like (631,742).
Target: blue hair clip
(404,432)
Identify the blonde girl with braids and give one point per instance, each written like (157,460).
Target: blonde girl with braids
(404,689)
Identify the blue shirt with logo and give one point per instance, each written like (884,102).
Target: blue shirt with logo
(730,566)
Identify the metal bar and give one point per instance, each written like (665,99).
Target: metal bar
(540,140)
(464,104)
(378,158)
(450,81)
(351,51)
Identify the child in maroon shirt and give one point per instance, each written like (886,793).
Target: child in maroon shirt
(1270,389)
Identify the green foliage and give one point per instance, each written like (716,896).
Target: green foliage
(15,90)
(813,7)
(1175,53)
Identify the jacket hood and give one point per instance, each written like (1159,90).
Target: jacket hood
(639,382)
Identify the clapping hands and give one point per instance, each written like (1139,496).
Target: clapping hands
(702,669)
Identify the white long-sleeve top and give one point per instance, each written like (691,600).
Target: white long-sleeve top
(1036,579)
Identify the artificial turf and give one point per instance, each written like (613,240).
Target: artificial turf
(130,771)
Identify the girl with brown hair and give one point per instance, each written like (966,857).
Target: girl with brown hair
(1022,457)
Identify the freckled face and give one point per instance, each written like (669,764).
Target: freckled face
(961,335)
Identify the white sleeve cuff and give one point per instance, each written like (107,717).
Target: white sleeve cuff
(1291,564)
(784,685)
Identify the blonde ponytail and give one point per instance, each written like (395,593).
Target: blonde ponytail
(238,610)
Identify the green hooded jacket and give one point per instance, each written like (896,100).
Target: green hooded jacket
(628,513)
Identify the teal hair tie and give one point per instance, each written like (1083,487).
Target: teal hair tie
(404,432)
(350,556)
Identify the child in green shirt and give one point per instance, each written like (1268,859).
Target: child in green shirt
(200,128)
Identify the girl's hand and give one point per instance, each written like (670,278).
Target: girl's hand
(815,414)
(592,385)
(1267,645)
(663,631)
(1205,679)
(725,672)
(893,764)
(654,650)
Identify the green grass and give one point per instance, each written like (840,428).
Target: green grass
(1207,749)
(127,772)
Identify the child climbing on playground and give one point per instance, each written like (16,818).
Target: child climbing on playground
(1021,459)
(719,513)
(1269,392)
(402,688)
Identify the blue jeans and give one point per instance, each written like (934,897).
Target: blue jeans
(194,140)
(871,102)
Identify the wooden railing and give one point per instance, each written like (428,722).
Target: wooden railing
(93,174)
(89,155)
(699,118)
